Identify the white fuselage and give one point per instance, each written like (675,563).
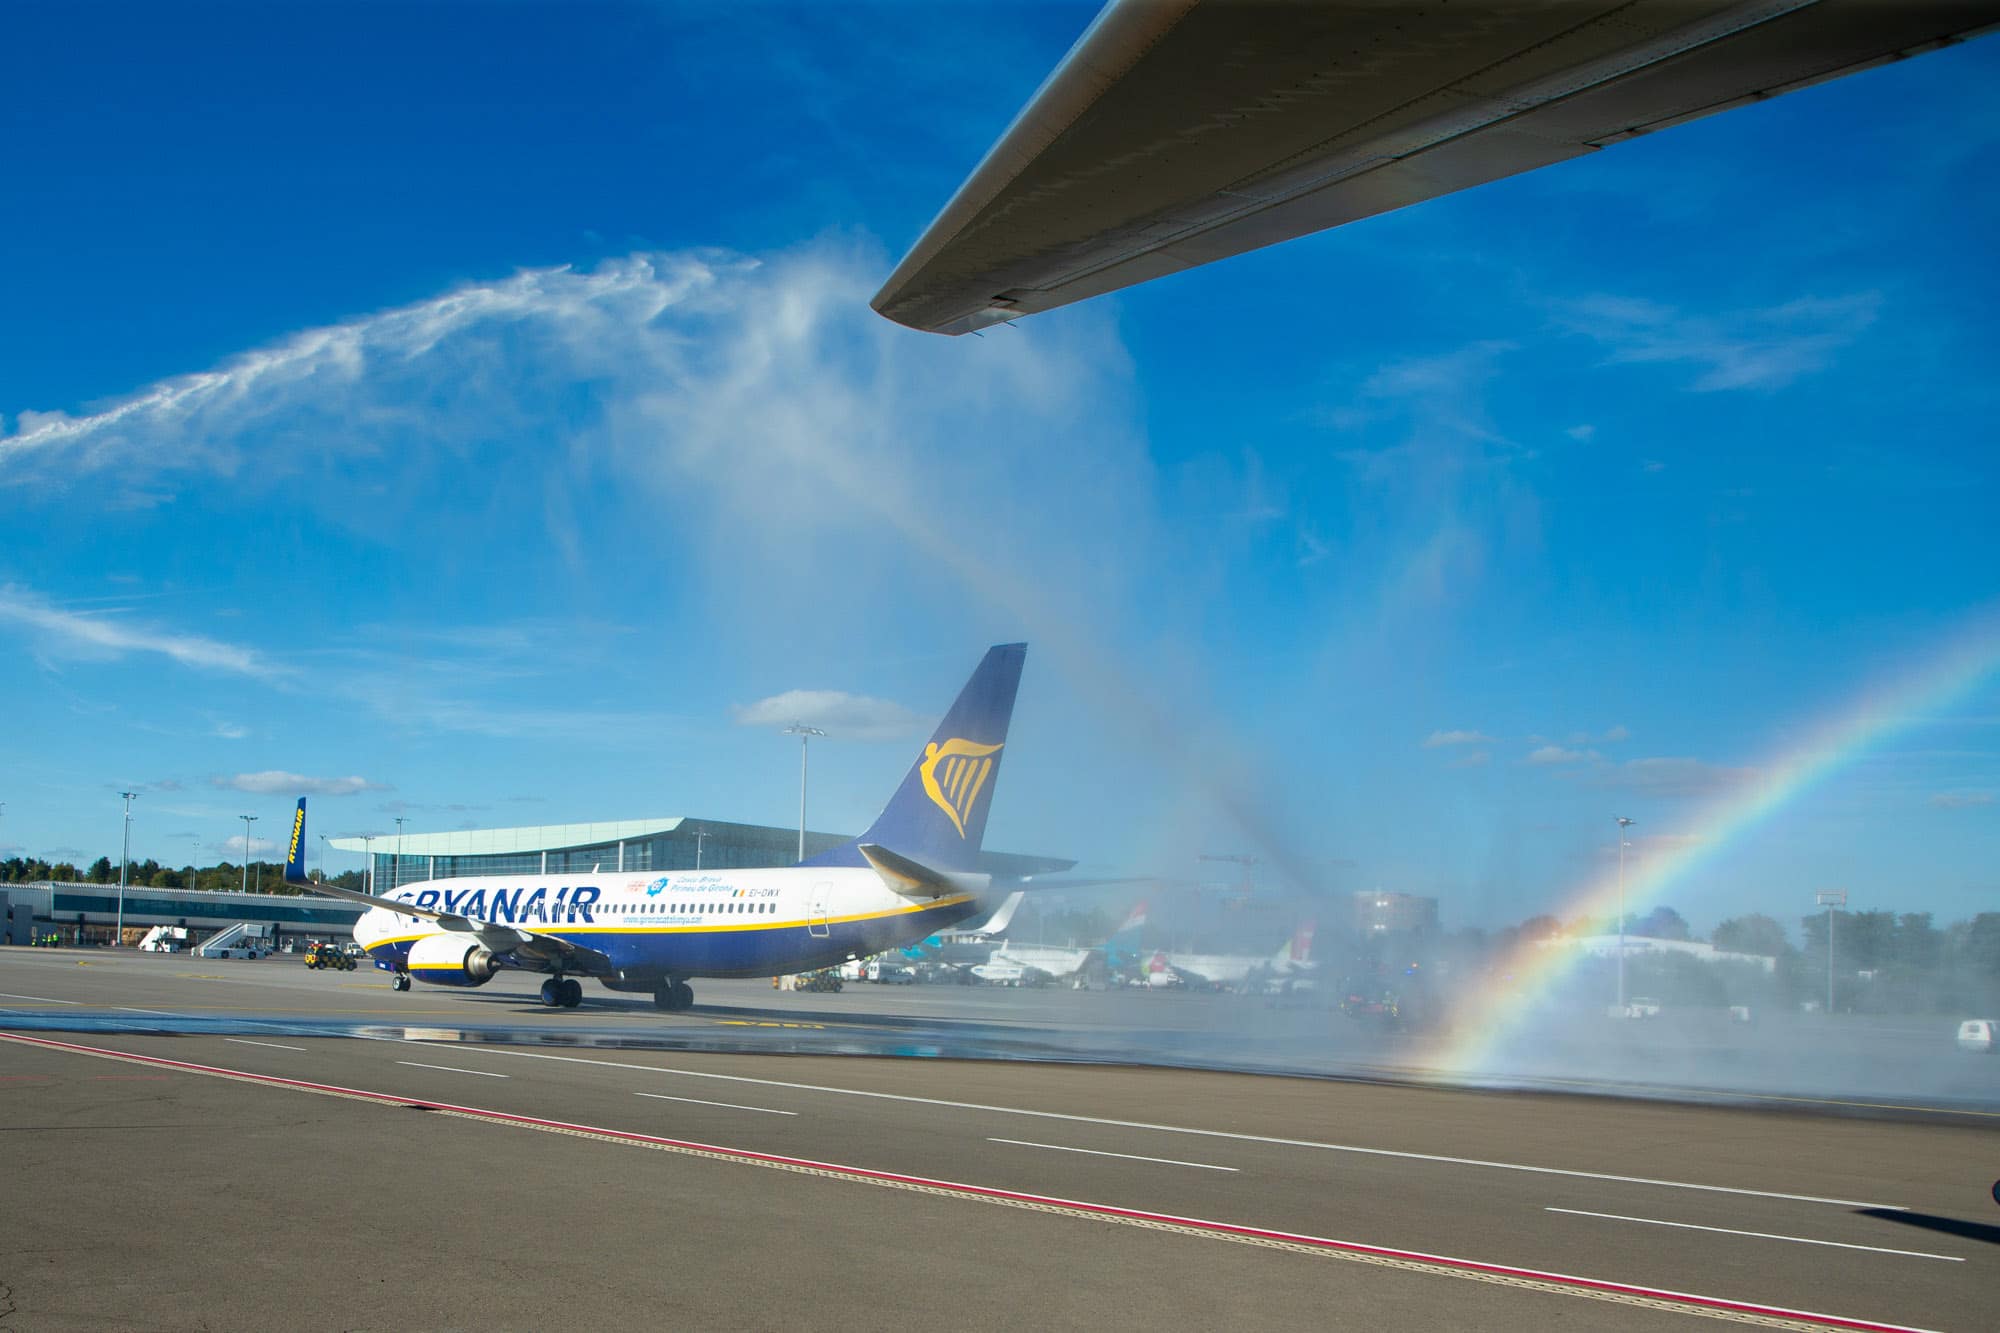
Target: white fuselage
(687,922)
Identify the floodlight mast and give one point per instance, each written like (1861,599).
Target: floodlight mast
(124,860)
(805,735)
(1830,899)
(248,820)
(1623,824)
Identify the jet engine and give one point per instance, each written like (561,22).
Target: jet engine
(452,960)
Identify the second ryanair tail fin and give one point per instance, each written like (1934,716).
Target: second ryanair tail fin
(938,815)
(295,850)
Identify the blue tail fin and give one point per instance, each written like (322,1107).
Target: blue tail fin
(938,815)
(295,851)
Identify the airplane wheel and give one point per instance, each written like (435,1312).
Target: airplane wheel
(402,981)
(572,993)
(552,992)
(683,995)
(663,996)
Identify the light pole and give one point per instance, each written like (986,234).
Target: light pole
(322,857)
(805,735)
(194,864)
(368,870)
(700,837)
(1623,824)
(396,879)
(247,821)
(1830,899)
(124,859)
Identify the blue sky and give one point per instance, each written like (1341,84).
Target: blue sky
(476,411)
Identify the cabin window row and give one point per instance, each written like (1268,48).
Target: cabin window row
(708,909)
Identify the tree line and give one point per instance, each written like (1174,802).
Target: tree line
(223,876)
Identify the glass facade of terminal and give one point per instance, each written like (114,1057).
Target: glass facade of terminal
(718,846)
(703,844)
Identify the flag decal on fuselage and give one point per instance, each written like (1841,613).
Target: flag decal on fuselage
(953,774)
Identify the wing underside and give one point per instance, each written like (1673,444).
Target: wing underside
(1177,132)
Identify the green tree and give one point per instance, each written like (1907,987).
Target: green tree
(1662,923)
(1756,933)
(1919,946)
(102,872)
(1540,928)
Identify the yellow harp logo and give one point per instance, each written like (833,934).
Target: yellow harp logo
(953,773)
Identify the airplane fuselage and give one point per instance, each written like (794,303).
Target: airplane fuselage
(693,923)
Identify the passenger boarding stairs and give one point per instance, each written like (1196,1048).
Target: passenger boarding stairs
(241,935)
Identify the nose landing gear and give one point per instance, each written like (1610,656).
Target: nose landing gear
(562,993)
(402,981)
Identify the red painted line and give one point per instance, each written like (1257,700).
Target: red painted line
(984,1191)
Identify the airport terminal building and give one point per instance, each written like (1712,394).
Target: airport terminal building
(90,911)
(620,847)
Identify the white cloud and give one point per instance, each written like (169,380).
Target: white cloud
(108,636)
(1442,738)
(1474,759)
(1765,348)
(1582,434)
(230,731)
(1556,754)
(1610,737)
(1673,776)
(260,848)
(1961,800)
(274,782)
(847,716)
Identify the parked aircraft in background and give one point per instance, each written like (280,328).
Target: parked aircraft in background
(1014,964)
(910,875)
(1291,963)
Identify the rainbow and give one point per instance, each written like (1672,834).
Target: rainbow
(1954,668)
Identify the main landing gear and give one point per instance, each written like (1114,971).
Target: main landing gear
(562,992)
(402,981)
(673,995)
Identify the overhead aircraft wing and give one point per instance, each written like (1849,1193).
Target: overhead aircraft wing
(1177,132)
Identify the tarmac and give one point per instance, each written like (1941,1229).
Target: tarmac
(232,1144)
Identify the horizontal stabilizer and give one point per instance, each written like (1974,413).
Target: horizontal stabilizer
(913,879)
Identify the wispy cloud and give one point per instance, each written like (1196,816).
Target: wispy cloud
(1961,800)
(274,782)
(1556,754)
(1763,348)
(1473,759)
(851,716)
(195,421)
(1610,736)
(1438,739)
(63,633)
(1672,776)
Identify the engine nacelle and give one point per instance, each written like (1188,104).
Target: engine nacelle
(451,960)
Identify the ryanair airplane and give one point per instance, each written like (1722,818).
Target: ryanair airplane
(913,873)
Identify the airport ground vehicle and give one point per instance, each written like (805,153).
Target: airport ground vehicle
(328,956)
(1979,1034)
(825,979)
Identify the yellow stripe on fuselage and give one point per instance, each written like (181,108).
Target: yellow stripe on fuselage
(699,930)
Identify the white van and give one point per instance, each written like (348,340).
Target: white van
(1979,1034)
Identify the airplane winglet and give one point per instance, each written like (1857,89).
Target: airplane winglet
(997,923)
